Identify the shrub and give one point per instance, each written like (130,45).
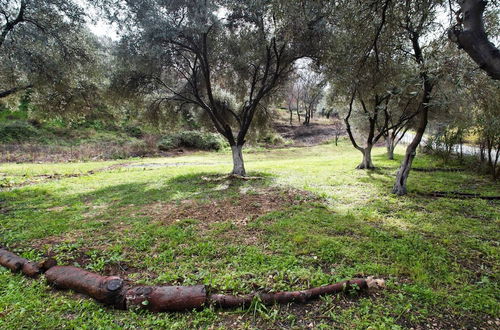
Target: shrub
(17,131)
(273,139)
(133,131)
(192,139)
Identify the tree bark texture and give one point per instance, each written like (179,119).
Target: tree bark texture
(389,141)
(18,264)
(470,35)
(367,163)
(166,298)
(399,187)
(238,164)
(105,289)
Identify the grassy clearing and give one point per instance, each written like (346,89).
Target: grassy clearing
(311,220)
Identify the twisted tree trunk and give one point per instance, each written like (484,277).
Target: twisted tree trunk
(399,187)
(367,163)
(470,35)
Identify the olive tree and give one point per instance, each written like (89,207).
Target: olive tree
(367,70)
(485,99)
(417,19)
(42,44)
(225,58)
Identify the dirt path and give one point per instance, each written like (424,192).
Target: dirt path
(36,179)
(310,135)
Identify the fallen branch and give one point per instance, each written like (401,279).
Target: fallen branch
(166,298)
(230,301)
(105,289)
(18,264)
(113,291)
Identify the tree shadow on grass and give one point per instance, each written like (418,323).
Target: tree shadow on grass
(34,213)
(196,185)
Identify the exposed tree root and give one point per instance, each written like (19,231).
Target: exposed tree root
(231,176)
(458,195)
(436,169)
(113,291)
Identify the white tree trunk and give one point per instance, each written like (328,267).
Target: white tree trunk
(366,164)
(238,165)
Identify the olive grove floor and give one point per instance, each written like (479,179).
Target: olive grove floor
(310,219)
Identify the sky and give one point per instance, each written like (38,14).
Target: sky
(103,28)
(100,27)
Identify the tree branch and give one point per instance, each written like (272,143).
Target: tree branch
(470,35)
(13,90)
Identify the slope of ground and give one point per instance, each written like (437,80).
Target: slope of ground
(311,219)
(310,135)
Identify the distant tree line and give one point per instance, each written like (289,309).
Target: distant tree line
(386,67)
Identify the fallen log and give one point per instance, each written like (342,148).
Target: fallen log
(112,290)
(230,301)
(17,264)
(106,289)
(166,298)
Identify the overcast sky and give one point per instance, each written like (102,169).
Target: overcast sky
(102,28)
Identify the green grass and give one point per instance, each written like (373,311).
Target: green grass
(440,257)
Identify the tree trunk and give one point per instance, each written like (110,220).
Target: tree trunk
(366,164)
(411,151)
(389,141)
(399,187)
(470,35)
(166,298)
(307,119)
(238,165)
(18,264)
(298,111)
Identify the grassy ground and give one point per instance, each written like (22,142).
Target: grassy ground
(310,220)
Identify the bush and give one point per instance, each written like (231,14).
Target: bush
(133,131)
(273,139)
(192,139)
(17,131)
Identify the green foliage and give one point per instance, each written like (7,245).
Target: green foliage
(9,115)
(17,131)
(273,139)
(192,139)
(133,131)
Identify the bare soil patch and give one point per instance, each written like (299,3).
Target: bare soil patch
(239,210)
(309,135)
